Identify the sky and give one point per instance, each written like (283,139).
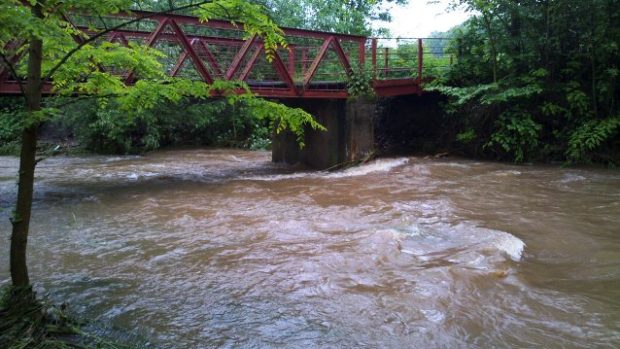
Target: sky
(419,18)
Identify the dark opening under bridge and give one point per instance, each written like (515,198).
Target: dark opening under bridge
(313,65)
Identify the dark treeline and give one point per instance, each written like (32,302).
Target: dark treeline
(102,127)
(535,81)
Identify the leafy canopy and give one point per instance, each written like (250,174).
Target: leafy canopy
(342,16)
(88,65)
(536,79)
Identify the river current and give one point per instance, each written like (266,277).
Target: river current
(222,248)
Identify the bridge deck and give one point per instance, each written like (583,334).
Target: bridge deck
(315,64)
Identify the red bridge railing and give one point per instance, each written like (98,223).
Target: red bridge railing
(313,65)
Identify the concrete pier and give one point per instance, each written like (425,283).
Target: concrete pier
(349,136)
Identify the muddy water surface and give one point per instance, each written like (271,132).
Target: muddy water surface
(221,248)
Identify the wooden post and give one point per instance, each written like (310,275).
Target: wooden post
(304,60)
(362,53)
(373,49)
(386,60)
(420,59)
(291,61)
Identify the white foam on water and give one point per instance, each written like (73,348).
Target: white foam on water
(484,239)
(470,242)
(380,165)
(168,256)
(455,164)
(281,177)
(433,315)
(507,173)
(120,158)
(572,177)
(510,245)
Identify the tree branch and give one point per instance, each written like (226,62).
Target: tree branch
(11,67)
(76,99)
(105,26)
(224,9)
(64,59)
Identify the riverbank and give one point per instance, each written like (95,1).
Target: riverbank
(28,321)
(47,147)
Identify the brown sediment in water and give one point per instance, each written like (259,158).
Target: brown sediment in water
(223,248)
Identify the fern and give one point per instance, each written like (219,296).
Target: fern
(466,136)
(517,134)
(462,95)
(359,83)
(511,94)
(590,136)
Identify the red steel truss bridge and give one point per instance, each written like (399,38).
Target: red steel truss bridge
(314,64)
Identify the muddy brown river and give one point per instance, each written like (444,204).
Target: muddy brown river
(222,248)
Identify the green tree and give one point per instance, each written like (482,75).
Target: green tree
(74,66)
(537,79)
(348,16)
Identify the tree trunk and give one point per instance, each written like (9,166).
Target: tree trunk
(489,29)
(593,45)
(27,163)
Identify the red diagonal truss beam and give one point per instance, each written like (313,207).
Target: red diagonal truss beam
(250,64)
(120,37)
(179,64)
(210,58)
(342,56)
(317,60)
(200,67)
(236,63)
(202,47)
(282,70)
(150,42)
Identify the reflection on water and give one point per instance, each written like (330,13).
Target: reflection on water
(221,248)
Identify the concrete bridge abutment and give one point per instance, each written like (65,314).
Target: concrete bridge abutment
(349,136)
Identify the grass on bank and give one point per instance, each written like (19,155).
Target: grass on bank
(44,149)
(27,322)
(10,149)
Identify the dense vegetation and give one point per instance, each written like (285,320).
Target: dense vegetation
(536,81)
(103,128)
